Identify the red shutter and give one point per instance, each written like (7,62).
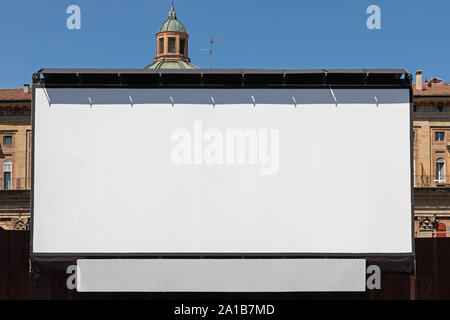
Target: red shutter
(441,231)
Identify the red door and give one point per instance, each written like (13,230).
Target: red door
(441,231)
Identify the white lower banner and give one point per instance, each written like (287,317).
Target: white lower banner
(221,275)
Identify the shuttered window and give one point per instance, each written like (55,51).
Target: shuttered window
(172,45)
(161,45)
(182,46)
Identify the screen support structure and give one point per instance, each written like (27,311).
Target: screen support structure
(248,79)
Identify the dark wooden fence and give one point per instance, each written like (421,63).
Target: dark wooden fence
(433,268)
(16,282)
(431,279)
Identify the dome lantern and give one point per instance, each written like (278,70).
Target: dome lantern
(171,45)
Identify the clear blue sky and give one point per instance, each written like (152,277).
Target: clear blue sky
(278,34)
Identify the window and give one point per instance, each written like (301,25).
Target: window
(172,45)
(440,170)
(7,175)
(8,140)
(161,45)
(182,46)
(439,136)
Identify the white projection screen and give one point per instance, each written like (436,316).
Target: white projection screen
(220,171)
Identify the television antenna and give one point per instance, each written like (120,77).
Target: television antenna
(212,41)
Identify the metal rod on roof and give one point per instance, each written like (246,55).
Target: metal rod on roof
(212,41)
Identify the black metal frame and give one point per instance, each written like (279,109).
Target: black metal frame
(221,79)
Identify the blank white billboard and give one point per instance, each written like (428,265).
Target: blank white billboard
(144,171)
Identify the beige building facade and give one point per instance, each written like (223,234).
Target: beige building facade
(431,147)
(15,158)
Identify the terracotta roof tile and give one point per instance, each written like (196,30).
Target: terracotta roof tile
(436,89)
(15,95)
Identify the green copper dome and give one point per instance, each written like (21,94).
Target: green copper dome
(172,24)
(171,64)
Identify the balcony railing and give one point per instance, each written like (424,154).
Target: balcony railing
(15,184)
(428,181)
